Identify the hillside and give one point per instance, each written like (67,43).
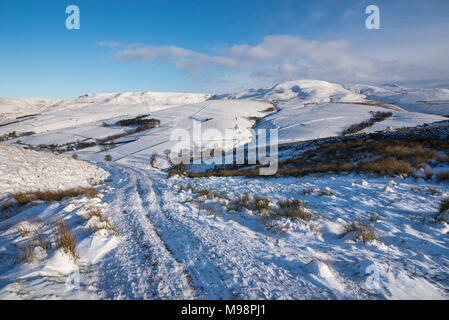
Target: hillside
(357,208)
(300,110)
(429,100)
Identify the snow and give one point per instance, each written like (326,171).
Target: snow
(296,123)
(12,108)
(148,240)
(53,273)
(319,250)
(87,122)
(15,107)
(25,170)
(93,249)
(301,91)
(307,109)
(428,100)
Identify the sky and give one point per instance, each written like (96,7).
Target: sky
(217,45)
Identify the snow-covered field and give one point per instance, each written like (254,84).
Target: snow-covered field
(316,259)
(148,235)
(306,109)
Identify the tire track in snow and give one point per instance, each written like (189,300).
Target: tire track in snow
(141,267)
(220,261)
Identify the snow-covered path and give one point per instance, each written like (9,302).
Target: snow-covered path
(142,267)
(170,252)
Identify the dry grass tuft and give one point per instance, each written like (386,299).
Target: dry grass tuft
(363,231)
(102,221)
(294,209)
(96,212)
(388,156)
(326,192)
(242,201)
(385,167)
(65,239)
(44,243)
(308,191)
(48,196)
(24,230)
(261,204)
(203,193)
(26,254)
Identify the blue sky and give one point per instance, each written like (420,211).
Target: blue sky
(216,46)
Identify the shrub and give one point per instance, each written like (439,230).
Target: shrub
(433,190)
(96,212)
(103,221)
(108,157)
(24,231)
(297,213)
(444,205)
(134,121)
(261,204)
(221,195)
(294,209)
(363,231)
(295,203)
(387,156)
(89,192)
(75,156)
(203,193)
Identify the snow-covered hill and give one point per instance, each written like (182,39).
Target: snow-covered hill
(36,238)
(27,171)
(11,108)
(304,109)
(296,123)
(147,235)
(310,109)
(300,92)
(431,100)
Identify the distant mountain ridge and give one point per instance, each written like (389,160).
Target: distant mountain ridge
(300,92)
(11,108)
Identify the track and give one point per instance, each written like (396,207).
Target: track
(168,252)
(141,267)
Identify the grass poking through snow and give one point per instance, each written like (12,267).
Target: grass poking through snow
(48,196)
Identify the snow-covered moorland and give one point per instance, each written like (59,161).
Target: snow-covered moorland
(352,214)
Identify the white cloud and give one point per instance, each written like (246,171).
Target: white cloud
(279,58)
